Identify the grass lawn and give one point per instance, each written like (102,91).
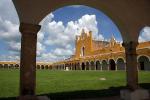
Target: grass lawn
(64,82)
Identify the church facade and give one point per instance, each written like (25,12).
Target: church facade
(93,54)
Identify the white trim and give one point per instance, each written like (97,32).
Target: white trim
(141,56)
(120,58)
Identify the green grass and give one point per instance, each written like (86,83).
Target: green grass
(52,82)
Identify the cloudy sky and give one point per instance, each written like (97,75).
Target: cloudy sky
(57,35)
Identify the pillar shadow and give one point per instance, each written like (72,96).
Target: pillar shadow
(83,94)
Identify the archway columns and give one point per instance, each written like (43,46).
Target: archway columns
(28,60)
(131,65)
(133,92)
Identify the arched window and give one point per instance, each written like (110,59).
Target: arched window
(82,51)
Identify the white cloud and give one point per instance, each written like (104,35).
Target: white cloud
(9,58)
(40,48)
(56,36)
(145,34)
(47,19)
(7,11)
(11,36)
(9,31)
(63,37)
(62,52)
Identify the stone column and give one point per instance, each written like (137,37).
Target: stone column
(125,65)
(101,66)
(28,59)
(131,65)
(108,66)
(116,66)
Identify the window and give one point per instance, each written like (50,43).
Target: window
(82,51)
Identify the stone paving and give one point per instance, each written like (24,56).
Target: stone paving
(104,98)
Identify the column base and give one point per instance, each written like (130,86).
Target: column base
(29,97)
(139,94)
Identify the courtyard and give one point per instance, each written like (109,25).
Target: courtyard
(70,84)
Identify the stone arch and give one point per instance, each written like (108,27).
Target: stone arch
(108,9)
(6,66)
(120,64)
(38,67)
(83,66)
(144,63)
(144,56)
(87,65)
(1,66)
(11,66)
(17,66)
(46,66)
(42,67)
(112,64)
(73,66)
(70,66)
(104,65)
(92,65)
(98,65)
(49,67)
(77,66)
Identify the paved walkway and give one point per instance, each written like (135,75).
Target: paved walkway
(104,98)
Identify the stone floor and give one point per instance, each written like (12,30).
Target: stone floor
(104,98)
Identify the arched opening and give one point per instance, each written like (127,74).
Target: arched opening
(98,65)
(143,49)
(112,64)
(87,65)
(72,66)
(75,66)
(17,66)
(38,66)
(104,65)
(120,64)
(83,66)
(92,65)
(1,65)
(46,67)
(78,66)
(82,51)
(144,63)
(5,66)
(11,66)
(42,66)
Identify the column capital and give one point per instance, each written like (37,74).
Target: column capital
(130,47)
(29,28)
(130,44)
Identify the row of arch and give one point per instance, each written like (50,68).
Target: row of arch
(119,64)
(17,66)
(94,65)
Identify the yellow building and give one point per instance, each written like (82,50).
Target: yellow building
(93,54)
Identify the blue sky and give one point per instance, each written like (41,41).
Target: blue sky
(72,13)
(57,35)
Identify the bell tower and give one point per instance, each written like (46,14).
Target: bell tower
(83,44)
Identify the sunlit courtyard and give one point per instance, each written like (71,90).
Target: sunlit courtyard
(70,84)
